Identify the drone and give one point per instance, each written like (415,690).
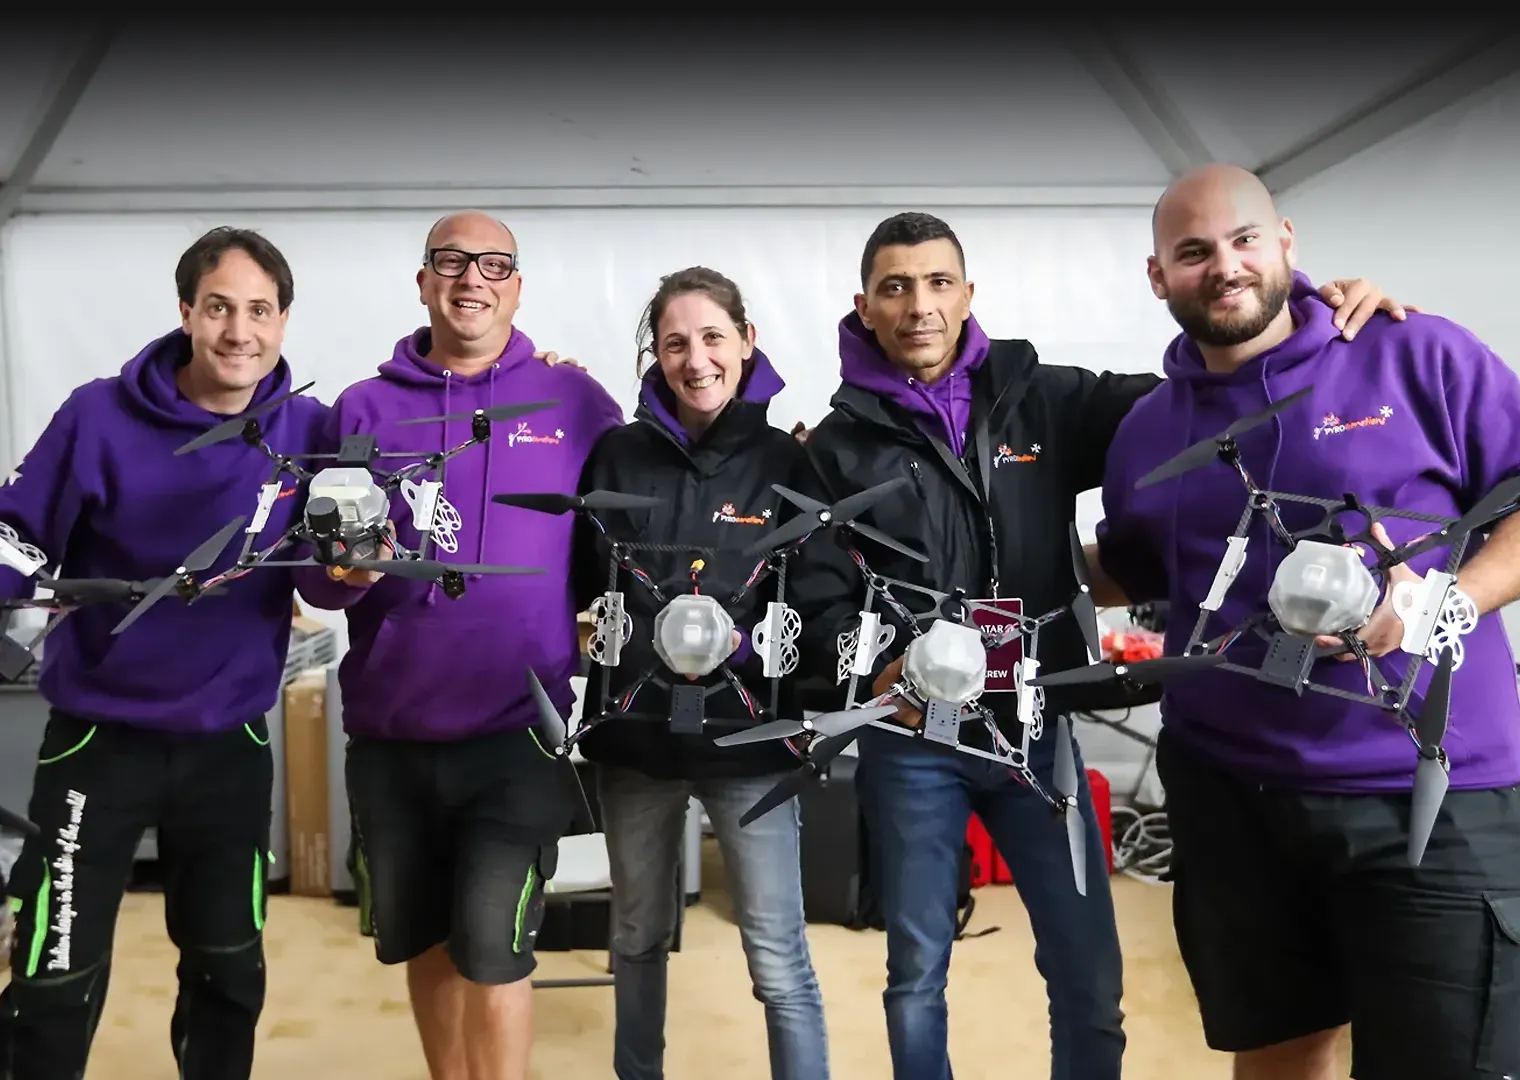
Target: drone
(1323,590)
(68,596)
(693,632)
(944,676)
(345,517)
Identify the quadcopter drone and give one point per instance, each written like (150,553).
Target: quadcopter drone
(1322,589)
(693,632)
(345,517)
(943,675)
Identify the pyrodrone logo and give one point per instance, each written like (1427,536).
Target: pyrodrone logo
(524,434)
(1331,424)
(730,514)
(1006,456)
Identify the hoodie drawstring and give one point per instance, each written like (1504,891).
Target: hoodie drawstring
(443,446)
(485,483)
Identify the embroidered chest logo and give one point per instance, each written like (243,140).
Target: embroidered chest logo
(729,513)
(524,435)
(1331,424)
(1006,455)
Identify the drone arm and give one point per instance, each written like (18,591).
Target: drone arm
(1491,578)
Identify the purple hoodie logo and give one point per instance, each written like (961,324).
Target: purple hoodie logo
(524,434)
(1331,424)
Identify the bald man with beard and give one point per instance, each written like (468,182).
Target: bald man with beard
(1296,909)
(458,809)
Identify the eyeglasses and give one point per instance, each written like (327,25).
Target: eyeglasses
(452,263)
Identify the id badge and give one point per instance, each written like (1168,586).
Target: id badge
(1003,661)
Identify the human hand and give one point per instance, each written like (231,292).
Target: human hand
(1356,300)
(1384,631)
(553,358)
(800,431)
(737,639)
(906,714)
(363,579)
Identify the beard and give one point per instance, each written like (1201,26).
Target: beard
(1233,327)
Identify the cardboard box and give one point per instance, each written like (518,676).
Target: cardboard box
(306,797)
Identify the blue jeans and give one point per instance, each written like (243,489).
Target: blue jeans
(917,799)
(644,820)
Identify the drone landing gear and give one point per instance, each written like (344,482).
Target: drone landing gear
(1288,660)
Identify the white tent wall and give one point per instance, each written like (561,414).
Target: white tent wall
(1068,142)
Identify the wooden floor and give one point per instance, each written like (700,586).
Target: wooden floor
(334,1012)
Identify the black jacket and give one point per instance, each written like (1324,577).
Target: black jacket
(718,495)
(1048,430)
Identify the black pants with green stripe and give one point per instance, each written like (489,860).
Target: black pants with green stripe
(98,787)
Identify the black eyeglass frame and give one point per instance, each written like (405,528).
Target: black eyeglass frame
(431,262)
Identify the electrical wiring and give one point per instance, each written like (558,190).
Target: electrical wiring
(1142,843)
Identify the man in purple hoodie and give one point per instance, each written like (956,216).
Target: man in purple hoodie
(1295,908)
(163,724)
(458,810)
(997,445)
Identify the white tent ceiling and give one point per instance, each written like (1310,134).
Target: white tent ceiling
(313,115)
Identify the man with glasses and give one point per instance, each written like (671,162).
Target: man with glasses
(458,809)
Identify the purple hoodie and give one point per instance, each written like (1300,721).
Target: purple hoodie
(422,666)
(943,407)
(1417,415)
(760,383)
(102,490)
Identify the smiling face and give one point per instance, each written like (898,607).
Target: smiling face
(235,325)
(470,286)
(1223,259)
(701,353)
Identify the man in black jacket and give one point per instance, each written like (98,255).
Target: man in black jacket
(997,447)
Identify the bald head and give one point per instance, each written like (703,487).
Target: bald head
(1223,255)
(1207,191)
(470,284)
(478,224)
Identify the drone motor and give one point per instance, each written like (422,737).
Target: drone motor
(1322,589)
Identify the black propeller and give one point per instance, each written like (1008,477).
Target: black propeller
(553,737)
(815,515)
(17,823)
(1204,451)
(553,502)
(819,754)
(231,429)
(1138,671)
(1083,608)
(1065,780)
(1430,777)
(1492,506)
(432,569)
(199,559)
(829,725)
(494,413)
